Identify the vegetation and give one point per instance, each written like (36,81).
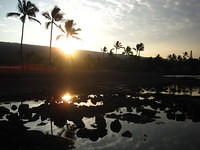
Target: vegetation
(69,30)
(127,51)
(139,48)
(53,17)
(25,9)
(118,45)
(127,61)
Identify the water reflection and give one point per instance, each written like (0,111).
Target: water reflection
(111,113)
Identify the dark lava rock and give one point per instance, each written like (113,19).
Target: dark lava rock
(3,111)
(24,111)
(14,107)
(180,117)
(127,134)
(92,134)
(115,126)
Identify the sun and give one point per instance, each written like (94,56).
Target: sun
(67,97)
(67,45)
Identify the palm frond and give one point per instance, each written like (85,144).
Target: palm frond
(76,37)
(79,29)
(32,7)
(24,5)
(20,6)
(55,11)
(46,15)
(23,18)
(58,37)
(33,19)
(47,24)
(69,25)
(59,26)
(20,3)
(13,14)
(58,16)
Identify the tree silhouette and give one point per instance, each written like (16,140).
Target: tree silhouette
(169,57)
(139,48)
(117,46)
(111,52)
(69,30)
(174,57)
(158,57)
(191,56)
(127,51)
(25,9)
(185,55)
(179,58)
(104,50)
(53,17)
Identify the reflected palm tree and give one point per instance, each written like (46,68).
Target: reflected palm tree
(69,30)
(53,17)
(117,46)
(25,9)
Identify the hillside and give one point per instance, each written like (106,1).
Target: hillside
(9,53)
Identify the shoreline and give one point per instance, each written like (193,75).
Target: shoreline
(50,84)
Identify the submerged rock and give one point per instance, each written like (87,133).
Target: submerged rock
(14,107)
(115,126)
(127,134)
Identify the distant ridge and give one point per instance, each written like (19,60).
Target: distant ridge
(9,52)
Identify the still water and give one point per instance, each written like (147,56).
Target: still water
(153,118)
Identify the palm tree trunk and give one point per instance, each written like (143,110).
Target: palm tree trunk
(116,50)
(50,42)
(51,124)
(21,46)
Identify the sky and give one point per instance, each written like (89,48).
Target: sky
(164,26)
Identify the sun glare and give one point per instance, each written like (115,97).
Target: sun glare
(67,45)
(67,97)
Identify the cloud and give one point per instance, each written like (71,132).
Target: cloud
(2,25)
(131,21)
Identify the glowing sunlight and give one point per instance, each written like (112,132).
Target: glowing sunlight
(67,97)
(69,46)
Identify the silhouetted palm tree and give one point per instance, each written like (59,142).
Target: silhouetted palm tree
(127,51)
(179,58)
(25,9)
(104,50)
(53,17)
(185,55)
(191,56)
(136,51)
(169,56)
(111,52)
(69,30)
(139,48)
(158,57)
(174,57)
(117,46)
